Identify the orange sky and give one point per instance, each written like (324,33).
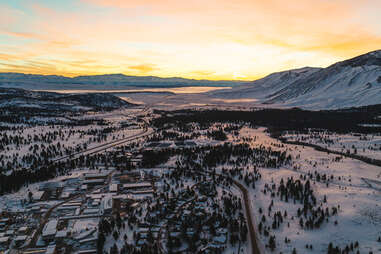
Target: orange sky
(211,39)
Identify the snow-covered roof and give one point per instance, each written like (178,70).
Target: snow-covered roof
(37,195)
(106,204)
(96,175)
(23,229)
(50,228)
(50,185)
(65,194)
(91,211)
(61,234)
(136,185)
(50,249)
(94,181)
(9,232)
(4,239)
(113,187)
(21,238)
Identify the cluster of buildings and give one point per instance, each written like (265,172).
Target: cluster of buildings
(64,216)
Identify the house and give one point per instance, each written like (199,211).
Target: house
(50,186)
(20,240)
(4,223)
(114,187)
(65,195)
(4,242)
(9,232)
(106,205)
(40,195)
(23,230)
(50,230)
(51,249)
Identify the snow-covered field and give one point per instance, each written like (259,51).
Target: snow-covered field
(359,215)
(53,141)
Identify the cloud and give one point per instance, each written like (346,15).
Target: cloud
(143,68)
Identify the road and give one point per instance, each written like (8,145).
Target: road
(250,221)
(105,146)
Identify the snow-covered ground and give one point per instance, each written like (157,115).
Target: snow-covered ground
(368,145)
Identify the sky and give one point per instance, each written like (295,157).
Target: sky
(200,39)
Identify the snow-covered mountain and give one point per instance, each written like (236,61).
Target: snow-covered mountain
(351,83)
(263,88)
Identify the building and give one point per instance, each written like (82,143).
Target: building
(23,230)
(93,182)
(114,187)
(106,206)
(40,195)
(51,249)
(50,186)
(4,242)
(61,235)
(50,230)
(20,240)
(94,176)
(135,186)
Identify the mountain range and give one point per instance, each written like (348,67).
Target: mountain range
(351,83)
(102,82)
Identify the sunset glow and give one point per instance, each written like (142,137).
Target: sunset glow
(213,39)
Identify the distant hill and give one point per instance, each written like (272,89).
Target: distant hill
(14,98)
